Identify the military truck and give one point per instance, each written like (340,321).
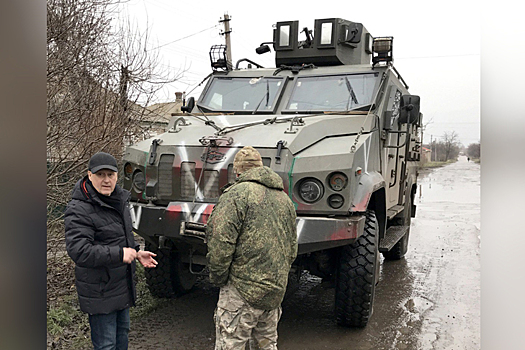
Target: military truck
(334,119)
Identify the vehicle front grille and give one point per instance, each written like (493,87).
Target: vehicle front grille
(187,180)
(210,184)
(166,175)
(231,174)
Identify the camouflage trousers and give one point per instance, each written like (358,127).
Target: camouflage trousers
(238,324)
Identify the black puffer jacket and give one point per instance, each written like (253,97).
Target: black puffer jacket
(95,235)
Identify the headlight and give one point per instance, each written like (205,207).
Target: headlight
(337,181)
(311,190)
(139,181)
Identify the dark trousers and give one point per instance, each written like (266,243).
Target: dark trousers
(110,331)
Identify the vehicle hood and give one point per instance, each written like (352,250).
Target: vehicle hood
(265,132)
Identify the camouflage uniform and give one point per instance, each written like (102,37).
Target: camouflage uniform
(237,323)
(252,242)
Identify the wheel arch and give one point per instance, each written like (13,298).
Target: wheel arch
(371,194)
(378,204)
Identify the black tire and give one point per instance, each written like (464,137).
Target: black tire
(170,277)
(294,280)
(399,250)
(356,277)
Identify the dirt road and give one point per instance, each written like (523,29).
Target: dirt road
(429,300)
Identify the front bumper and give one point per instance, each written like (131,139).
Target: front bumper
(178,221)
(319,233)
(167,221)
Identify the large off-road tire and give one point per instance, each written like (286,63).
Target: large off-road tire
(170,277)
(356,277)
(294,280)
(399,250)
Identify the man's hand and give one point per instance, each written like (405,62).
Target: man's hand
(129,255)
(146,258)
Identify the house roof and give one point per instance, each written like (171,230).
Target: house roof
(161,112)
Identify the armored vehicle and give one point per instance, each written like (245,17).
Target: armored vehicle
(334,119)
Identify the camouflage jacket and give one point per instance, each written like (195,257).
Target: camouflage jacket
(252,238)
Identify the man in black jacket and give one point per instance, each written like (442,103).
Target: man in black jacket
(100,241)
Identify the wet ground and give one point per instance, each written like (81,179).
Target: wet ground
(429,300)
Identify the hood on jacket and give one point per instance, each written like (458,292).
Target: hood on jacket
(81,190)
(263,175)
(85,192)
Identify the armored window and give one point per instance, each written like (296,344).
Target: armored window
(326,33)
(284,37)
(332,93)
(258,94)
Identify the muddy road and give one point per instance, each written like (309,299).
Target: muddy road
(429,300)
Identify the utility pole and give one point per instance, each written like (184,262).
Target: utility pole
(226,34)
(431,151)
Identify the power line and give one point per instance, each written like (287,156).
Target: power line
(186,37)
(442,56)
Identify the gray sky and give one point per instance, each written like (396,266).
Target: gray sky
(436,46)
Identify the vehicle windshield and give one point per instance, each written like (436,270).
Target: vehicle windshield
(332,93)
(242,94)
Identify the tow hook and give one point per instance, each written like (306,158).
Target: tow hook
(153,151)
(280,146)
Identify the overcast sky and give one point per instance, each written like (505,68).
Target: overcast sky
(436,46)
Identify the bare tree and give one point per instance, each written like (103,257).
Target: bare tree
(474,150)
(451,145)
(445,148)
(97,72)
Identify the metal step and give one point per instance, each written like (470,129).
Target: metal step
(396,209)
(392,236)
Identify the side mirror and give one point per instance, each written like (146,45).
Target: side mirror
(409,109)
(262,49)
(189,106)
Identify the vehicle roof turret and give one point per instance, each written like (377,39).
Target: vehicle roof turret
(334,41)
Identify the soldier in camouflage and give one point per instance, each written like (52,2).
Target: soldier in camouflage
(252,242)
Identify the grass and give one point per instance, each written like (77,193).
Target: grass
(57,319)
(68,327)
(435,164)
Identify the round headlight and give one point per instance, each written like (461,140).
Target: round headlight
(139,181)
(337,181)
(336,201)
(310,190)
